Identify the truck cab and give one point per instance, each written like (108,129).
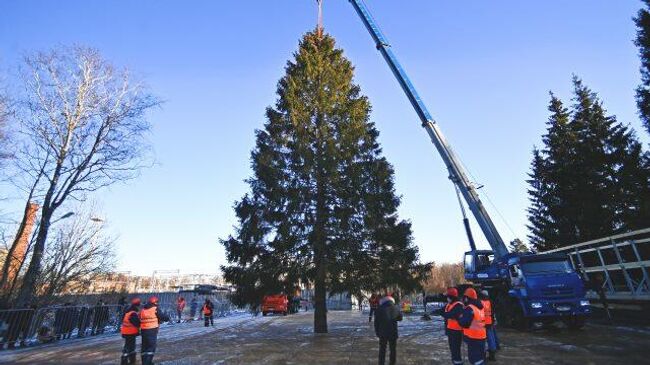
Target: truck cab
(278,303)
(530,288)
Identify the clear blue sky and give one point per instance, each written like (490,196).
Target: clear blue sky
(483,68)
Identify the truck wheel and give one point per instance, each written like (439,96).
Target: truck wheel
(264,314)
(284,313)
(502,308)
(520,321)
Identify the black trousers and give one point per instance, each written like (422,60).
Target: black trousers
(148,349)
(128,352)
(208,320)
(455,339)
(392,343)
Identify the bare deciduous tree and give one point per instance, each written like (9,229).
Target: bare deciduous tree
(82,124)
(443,276)
(78,252)
(4,113)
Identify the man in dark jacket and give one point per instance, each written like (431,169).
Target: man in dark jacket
(386,318)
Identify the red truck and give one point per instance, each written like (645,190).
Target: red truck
(275,304)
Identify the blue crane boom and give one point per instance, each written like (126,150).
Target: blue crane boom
(456,171)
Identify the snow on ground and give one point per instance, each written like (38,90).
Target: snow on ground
(245,339)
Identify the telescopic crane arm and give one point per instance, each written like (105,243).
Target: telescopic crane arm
(456,171)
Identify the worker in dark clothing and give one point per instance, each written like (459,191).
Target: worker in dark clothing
(150,318)
(208,312)
(374,304)
(193,307)
(473,322)
(386,318)
(130,329)
(489,325)
(451,313)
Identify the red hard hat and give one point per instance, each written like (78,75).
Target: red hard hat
(452,292)
(471,293)
(153,299)
(135,301)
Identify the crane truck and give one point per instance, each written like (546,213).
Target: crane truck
(525,288)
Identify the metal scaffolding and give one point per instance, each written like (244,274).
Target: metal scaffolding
(619,263)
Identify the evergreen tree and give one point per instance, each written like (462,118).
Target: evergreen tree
(322,209)
(594,199)
(643,42)
(591,178)
(552,183)
(518,245)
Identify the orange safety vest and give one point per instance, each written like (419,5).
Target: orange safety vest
(487,311)
(476,329)
(127,327)
(148,318)
(206,310)
(452,323)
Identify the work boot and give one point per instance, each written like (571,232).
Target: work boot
(147,359)
(491,356)
(125,360)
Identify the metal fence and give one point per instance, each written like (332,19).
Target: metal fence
(24,327)
(619,264)
(29,326)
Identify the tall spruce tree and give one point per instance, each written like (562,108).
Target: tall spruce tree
(322,210)
(643,42)
(591,177)
(552,182)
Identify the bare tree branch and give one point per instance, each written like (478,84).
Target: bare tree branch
(82,124)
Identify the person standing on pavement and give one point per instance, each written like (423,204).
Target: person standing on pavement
(451,313)
(489,325)
(386,318)
(180,306)
(130,329)
(150,318)
(193,307)
(208,311)
(473,322)
(374,303)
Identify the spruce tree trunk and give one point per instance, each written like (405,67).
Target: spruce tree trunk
(320,258)
(320,297)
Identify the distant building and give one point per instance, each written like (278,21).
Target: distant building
(159,281)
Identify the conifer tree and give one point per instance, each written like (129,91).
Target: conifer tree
(322,207)
(643,42)
(591,178)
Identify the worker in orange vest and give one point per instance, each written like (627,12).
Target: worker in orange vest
(489,325)
(130,329)
(180,306)
(150,318)
(208,311)
(452,312)
(473,322)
